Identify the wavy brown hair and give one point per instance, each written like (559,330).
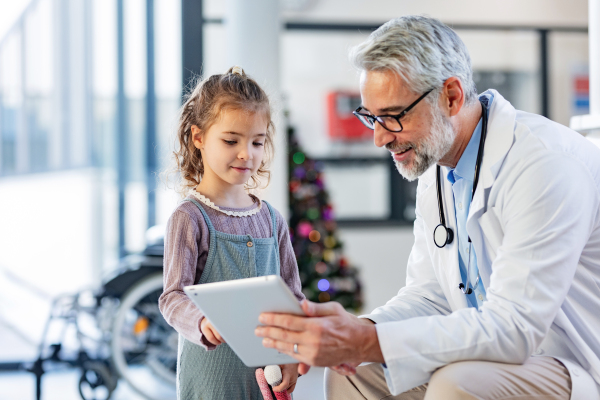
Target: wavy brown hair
(203,106)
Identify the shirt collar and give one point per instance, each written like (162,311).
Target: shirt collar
(465,168)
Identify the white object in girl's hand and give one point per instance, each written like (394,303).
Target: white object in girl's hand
(273,375)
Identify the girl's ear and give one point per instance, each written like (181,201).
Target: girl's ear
(197,137)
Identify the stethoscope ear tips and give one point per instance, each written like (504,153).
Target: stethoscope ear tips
(442,236)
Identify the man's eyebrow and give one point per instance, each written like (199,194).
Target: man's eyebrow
(386,109)
(393,108)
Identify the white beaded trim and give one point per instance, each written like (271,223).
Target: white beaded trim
(212,205)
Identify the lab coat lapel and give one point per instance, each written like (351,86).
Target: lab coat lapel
(500,137)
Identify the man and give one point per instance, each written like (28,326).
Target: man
(507,305)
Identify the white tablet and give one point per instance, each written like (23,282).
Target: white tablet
(233,308)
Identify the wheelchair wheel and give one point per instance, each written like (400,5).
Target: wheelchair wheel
(143,345)
(96,382)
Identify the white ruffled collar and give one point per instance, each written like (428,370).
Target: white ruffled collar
(206,201)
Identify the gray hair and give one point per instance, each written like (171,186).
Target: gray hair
(423,51)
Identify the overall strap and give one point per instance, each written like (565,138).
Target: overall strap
(211,228)
(273,221)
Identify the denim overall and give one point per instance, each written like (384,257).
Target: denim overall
(219,374)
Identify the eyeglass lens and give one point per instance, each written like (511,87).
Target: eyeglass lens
(389,123)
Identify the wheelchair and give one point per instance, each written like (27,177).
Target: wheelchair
(117,333)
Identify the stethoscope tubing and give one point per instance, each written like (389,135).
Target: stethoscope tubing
(447,233)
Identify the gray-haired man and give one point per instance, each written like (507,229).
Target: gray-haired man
(503,282)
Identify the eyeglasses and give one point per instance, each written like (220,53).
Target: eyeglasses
(390,122)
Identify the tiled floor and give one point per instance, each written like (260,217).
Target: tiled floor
(63,385)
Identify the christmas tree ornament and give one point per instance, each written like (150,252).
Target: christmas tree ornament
(314,236)
(330,242)
(304,229)
(299,157)
(321,267)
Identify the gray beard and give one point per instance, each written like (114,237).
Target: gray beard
(429,150)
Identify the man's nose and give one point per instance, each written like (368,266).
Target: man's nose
(382,136)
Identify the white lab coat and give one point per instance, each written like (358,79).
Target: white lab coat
(535,226)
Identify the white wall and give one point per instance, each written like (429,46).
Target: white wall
(513,12)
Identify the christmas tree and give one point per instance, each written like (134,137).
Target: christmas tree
(324,271)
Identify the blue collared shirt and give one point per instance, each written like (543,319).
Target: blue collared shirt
(461,178)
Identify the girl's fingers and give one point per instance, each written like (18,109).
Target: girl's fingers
(285,382)
(219,337)
(216,335)
(210,337)
(292,387)
(303,368)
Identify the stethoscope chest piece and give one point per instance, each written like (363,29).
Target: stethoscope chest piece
(442,236)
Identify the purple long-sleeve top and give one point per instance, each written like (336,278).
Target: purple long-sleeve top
(186,251)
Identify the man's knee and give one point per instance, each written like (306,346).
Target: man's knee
(450,382)
(335,384)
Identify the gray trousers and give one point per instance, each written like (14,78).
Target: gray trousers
(540,378)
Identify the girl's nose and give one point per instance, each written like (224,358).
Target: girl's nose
(245,154)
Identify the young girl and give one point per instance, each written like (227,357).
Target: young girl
(220,231)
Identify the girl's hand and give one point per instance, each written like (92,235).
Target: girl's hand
(346,369)
(289,373)
(210,333)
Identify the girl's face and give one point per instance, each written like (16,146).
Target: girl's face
(233,147)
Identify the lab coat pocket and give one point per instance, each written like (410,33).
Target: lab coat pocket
(492,232)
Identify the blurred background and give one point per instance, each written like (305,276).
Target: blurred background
(89,95)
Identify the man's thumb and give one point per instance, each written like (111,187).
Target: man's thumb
(320,310)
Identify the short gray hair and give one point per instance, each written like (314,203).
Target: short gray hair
(423,51)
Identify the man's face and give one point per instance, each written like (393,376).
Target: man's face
(427,133)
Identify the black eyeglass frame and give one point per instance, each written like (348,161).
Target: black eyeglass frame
(379,118)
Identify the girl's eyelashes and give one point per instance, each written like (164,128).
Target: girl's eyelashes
(232,142)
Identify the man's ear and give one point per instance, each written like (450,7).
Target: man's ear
(197,137)
(454,95)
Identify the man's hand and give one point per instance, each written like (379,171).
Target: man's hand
(289,373)
(328,336)
(210,333)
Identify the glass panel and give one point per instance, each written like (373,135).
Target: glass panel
(38,83)
(372,201)
(104,92)
(135,94)
(321,87)
(507,61)
(11,101)
(569,76)
(167,56)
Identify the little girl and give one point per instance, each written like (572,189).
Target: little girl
(220,231)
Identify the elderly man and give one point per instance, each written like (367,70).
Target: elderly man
(502,294)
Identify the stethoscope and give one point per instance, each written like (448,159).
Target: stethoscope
(442,235)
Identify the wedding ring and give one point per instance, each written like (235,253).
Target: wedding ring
(296,348)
